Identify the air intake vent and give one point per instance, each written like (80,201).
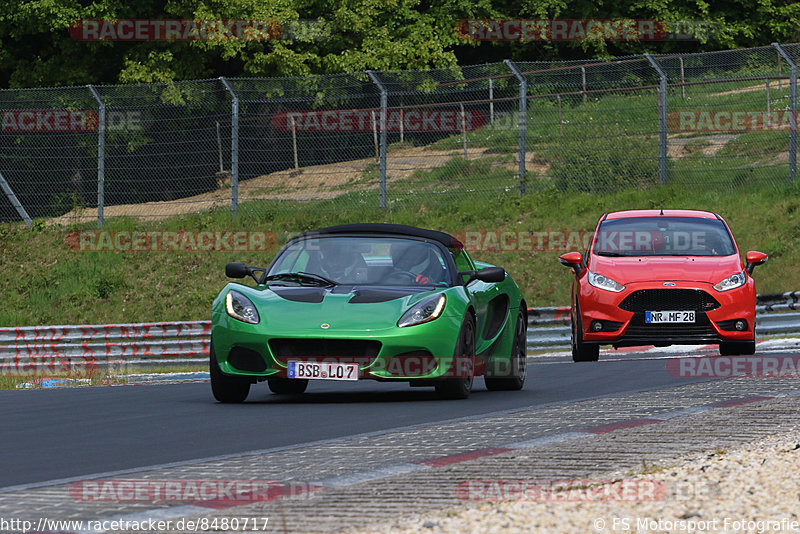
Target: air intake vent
(341,350)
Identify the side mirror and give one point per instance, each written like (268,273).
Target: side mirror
(573,260)
(236,269)
(754,258)
(487,274)
(491,274)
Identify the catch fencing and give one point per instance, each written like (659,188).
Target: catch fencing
(399,139)
(88,349)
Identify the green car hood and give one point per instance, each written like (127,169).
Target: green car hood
(292,309)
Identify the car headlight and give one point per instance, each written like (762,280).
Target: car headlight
(424,311)
(602,282)
(732,282)
(239,307)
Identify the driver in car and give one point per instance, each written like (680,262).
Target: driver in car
(418,261)
(340,261)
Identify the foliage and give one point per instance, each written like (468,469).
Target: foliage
(595,164)
(335,36)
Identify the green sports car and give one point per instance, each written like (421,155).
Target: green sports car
(383,302)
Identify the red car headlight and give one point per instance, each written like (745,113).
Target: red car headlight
(732,282)
(603,282)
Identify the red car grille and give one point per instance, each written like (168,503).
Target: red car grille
(669,299)
(701,328)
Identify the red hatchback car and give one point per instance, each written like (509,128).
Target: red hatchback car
(662,277)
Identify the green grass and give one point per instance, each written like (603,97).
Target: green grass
(602,156)
(610,142)
(45,282)
(74,379)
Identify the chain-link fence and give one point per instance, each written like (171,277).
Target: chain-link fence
(401,138)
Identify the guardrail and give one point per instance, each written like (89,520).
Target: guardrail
(778,302)
(31,349)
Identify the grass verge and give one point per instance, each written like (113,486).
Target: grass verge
(44,281)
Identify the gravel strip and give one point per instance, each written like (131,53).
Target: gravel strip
(752,488)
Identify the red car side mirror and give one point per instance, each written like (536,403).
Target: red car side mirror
(573,260)
(753,258)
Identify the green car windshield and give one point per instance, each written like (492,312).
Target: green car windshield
(663,236)
(367,260)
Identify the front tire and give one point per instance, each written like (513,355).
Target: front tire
(226,388)
(460,388)
(582,351)
(517,363)
(737,348)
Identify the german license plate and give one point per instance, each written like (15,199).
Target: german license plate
(323,370)
(669,317)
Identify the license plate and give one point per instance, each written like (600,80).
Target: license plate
(323,370)
(669,317)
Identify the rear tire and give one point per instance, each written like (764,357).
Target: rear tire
(737,348)
(581,351)
(226,388)
(517,363)
(460,388)
(287,386)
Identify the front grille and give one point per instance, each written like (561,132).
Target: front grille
(339,350)
(670,300)
(701,328)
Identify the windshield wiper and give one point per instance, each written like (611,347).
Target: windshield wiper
(302,277)
(611,254)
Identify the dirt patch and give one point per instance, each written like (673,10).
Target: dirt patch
(774,84)
(316,182)
(709,145)
(533,164)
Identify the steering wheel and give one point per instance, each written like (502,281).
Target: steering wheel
(407,276)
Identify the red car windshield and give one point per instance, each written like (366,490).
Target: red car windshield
(663,236)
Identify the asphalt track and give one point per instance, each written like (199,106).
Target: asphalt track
(73,432)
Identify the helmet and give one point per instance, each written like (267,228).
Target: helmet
(337,255)
(410,256)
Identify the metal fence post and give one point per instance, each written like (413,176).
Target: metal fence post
(523,122)
(793,112)
(382,155)
(683,81)
(491,101)
(662,118)
(15,201)
(101,155)
(234,148)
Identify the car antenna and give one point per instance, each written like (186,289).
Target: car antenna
(662,209)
